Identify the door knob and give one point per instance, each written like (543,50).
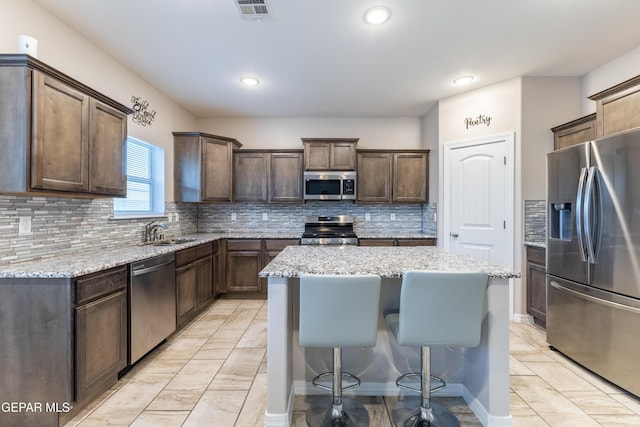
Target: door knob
(453,234)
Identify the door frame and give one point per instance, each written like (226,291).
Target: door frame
(510,194)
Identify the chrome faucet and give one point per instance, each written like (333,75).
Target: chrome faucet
(154,231)
(151,231)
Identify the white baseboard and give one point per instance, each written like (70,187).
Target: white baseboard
(281,420)
(522,318)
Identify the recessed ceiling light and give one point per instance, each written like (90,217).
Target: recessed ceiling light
(377,15)
(250,81)
(464,80)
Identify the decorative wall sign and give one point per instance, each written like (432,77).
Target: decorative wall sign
(482,119)
(140,113)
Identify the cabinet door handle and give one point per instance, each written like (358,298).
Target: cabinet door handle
(454,234)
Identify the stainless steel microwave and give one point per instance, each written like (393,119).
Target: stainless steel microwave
(330,185)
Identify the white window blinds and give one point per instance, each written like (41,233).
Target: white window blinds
(145,181)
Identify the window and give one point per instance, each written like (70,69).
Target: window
(145,181)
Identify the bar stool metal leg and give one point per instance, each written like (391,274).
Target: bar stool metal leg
(422,412)
(341,412)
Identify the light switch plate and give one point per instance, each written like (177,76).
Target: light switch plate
(393,217)
(367,216)
(265,216)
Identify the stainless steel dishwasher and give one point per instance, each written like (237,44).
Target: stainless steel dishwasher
(152,304)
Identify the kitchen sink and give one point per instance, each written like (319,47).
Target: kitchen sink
(172,242)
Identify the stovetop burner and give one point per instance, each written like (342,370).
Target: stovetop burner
(329,230)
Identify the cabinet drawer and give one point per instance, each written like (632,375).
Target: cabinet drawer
(98,284)
(376,242)
(203,250)
(186,256)
(244,245)
(280,244)
(536,255)
(416,242)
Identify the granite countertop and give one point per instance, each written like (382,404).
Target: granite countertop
(91,261)
(387,262)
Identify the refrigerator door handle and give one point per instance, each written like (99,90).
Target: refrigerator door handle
(589,221)
(580,208)
(613,304)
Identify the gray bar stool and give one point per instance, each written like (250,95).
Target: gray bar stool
(437,309)
(338,311)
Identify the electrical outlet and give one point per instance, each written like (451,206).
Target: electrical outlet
(265,216)
(176,217)
(24,226)
(393,217)
(233,216)
(367,216)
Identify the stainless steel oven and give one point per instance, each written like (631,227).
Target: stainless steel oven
(330,185)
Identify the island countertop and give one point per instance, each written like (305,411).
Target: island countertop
(387,262)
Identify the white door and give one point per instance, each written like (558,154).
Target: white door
(478,198)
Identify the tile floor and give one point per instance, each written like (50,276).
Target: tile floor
(213,373)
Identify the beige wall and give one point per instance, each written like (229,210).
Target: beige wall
(64,49)
(430,141)
(546,102)
(285,133)
(501,102)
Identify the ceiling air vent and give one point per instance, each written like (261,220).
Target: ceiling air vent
(254,9)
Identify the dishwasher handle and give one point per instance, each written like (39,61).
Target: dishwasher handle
(155,267)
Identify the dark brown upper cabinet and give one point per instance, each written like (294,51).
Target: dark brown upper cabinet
(618,108)
(398,176)
(330,153)
(268,176)
(59,137)
(203,167)
(574,132)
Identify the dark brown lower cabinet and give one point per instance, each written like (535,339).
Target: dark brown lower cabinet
(217,267)
(101,344)
(194,281)
(244,262)
(204,285)
(101,331)
(186,278)
(536,285)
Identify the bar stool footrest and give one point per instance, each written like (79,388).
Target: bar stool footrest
(316,379)
(441,383)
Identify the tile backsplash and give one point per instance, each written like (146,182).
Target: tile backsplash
(535,221)
(263,216)
(62,226)
(66,226)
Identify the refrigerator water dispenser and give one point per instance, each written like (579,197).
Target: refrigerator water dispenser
(560,224)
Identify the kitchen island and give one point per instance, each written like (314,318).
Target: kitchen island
(480,374)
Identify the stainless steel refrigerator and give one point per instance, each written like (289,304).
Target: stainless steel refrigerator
(593,256)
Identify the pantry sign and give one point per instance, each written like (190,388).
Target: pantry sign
(480,120)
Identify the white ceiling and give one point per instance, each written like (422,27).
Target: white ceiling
(319,59)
